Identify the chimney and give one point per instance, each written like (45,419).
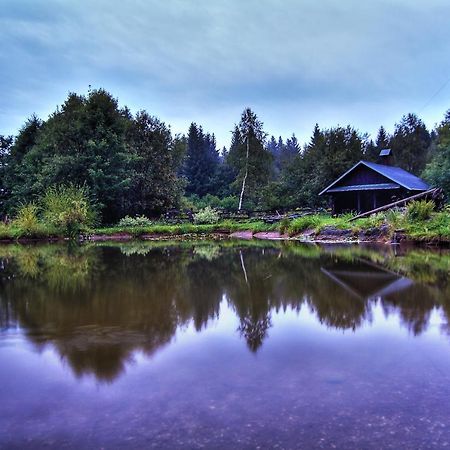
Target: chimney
(385,157)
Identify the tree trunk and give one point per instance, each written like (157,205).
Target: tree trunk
(241,197)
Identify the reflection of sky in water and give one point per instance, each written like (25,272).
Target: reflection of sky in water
(309,384)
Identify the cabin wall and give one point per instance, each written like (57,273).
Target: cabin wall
(363,201)
(362,175)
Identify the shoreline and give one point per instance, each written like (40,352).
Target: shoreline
(328,236)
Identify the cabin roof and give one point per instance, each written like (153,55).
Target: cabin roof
(385,152)
(365,187)
(400,177)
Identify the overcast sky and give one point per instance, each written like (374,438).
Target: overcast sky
(295,62)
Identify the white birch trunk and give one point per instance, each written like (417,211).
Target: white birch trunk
(241,197)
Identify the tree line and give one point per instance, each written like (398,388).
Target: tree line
(133,164)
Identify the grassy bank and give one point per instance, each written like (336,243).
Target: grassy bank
(419,222)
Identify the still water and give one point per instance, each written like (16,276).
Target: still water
(224,345)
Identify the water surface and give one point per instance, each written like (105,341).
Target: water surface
(224,345)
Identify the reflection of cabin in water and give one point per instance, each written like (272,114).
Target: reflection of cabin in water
(365,280)
(368,185)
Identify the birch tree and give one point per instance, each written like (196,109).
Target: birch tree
(249,157)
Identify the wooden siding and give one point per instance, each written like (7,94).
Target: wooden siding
(362,175)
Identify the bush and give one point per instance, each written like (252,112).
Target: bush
(207,215)
(138,221)
(27,221)
(229,203)
(420,210)
(68,209)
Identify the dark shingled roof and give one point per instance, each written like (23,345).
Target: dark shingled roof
(365,187)
(396,174)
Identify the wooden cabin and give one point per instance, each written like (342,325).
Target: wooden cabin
(367,186)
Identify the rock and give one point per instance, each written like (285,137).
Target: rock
(242,235)
(334,234)
(374,234)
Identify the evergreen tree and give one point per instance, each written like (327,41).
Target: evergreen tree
(328,154)
(289,151)
(202,160)
(383,139)
(410,143)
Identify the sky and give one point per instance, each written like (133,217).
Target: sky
(294,62)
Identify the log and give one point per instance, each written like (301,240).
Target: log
(433,193)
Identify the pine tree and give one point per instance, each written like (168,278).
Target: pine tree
(202,160)
(383,139)
(410,143)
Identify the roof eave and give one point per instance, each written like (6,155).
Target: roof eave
(340,178)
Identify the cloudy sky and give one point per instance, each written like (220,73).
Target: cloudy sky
(295,62)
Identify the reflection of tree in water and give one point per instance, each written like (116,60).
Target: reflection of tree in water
(97,306)
(254,331)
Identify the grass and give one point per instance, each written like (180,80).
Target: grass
(188,228)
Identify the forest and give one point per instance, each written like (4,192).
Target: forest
(132,164)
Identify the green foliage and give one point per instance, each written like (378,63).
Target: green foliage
(229,203)
(129,164)
(207,215)
(27,220)
(155,186)
(394,217)
(437,172)
(329,153)
(132,165)
(68,208)
(138,221)
(373,221)
(419,210)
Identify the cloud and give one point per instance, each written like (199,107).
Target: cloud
(295,62)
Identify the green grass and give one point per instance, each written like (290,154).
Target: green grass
(188,228)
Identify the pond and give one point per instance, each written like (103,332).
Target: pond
(224,345)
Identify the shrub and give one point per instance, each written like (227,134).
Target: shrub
(420,210)
(138,221)
(229,203)
(68,209)
(207,215)
(26,220)
(394,217)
